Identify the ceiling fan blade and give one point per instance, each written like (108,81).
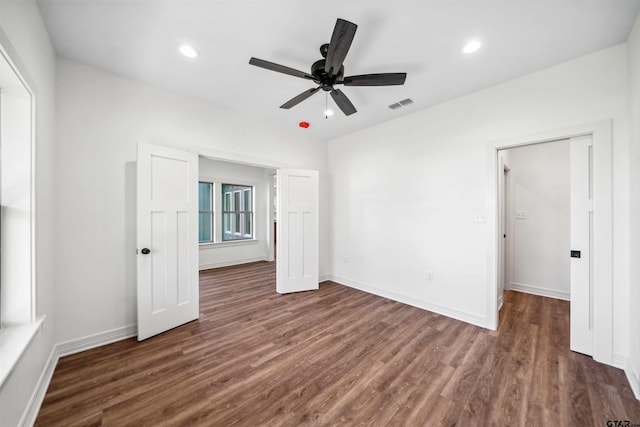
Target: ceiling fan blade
(341,39)
(385,79)
(279,68)
(299,98)
(343,102)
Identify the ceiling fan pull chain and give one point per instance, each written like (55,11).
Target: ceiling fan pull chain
(326,105)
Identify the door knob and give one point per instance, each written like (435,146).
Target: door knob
(145,251)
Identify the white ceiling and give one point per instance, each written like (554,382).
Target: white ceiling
(139,39)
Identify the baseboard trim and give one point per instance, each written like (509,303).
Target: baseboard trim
(37,397)
(323,278)
(96,340)
(229,263)
(436,308)
(618,360)
(543,292)
(633,376)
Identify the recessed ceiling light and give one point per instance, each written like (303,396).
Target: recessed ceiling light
(471,46)
(188,51)
(328,113)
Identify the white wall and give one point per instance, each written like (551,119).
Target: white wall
(539,180)
(405,193)
(238,252)
(23,35)
(101,116)
(633,367)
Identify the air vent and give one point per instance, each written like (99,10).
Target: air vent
(401,104)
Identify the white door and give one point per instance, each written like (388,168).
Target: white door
(503,192)
(297,231)
(581,244)
(167,230)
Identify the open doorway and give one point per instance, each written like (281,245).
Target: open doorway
(235,213)
(168,223)
(535,219)
(592,300)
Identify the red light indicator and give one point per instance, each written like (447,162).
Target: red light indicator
(303,124)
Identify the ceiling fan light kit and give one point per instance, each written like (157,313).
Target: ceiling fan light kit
(329,71)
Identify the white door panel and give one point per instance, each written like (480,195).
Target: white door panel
(581,240)
(167,229)
(297,248)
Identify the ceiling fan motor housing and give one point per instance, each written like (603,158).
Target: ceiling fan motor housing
(323,78)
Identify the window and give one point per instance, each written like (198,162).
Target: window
(18,322)
(237,212)
(234,220)
(205,212)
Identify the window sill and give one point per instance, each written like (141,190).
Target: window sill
(13,342)
(212,245)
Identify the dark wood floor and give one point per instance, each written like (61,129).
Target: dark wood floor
(338,356)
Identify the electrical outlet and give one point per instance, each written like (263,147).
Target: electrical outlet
(521,215)
(430,276)
(345,260)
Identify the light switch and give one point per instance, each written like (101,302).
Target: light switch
(521,215)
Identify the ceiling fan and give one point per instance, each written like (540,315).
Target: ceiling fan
(328,72)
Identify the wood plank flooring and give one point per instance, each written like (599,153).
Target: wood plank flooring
(338,356)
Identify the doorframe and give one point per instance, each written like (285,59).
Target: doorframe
(603,227)
(271,233)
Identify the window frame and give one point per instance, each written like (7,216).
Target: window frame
(19,320)
(220,202)
(211,211)
(236,224)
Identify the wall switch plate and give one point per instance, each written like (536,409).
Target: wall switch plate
(345,260)
(480,218)
(521,215)
(430,276)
